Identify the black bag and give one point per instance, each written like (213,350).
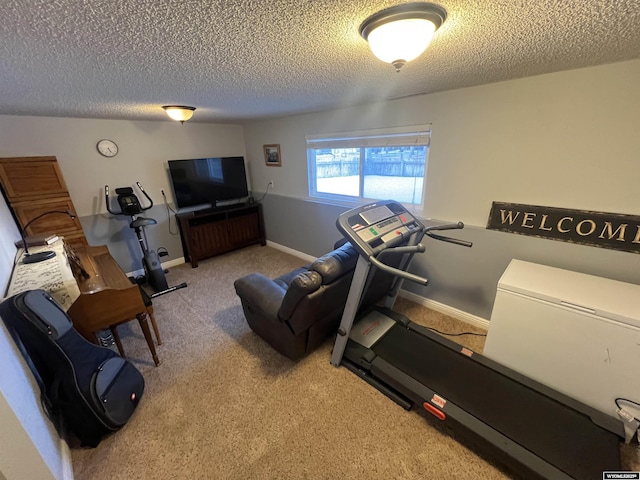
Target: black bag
(86,390)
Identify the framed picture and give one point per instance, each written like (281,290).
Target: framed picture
(272,155)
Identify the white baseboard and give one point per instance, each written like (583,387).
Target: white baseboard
(425,302)
(291,251)
(446,309)
(165,265)
(173,263)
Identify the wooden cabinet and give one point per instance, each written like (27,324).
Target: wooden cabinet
(210,232)
(35,185)
(32,177)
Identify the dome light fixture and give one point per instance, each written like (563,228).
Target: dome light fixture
(179,113)
(401,33)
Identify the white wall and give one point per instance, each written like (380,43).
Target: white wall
(567,139)
(29,445)
(144,148)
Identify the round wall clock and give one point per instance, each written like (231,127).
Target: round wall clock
(108,148)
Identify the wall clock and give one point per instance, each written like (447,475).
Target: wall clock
(108,148)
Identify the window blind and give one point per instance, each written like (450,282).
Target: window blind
(401,136)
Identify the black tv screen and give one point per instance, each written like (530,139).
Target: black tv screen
(199,181)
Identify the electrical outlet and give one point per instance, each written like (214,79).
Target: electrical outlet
(273,185)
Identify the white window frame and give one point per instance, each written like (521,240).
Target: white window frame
(419,135)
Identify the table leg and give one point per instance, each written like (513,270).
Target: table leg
(116,338)
(154,325)
(142,319)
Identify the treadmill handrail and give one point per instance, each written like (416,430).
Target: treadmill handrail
(463,243)
(397,271)
(445,226)
(412,249)
(419,248)
(448,226)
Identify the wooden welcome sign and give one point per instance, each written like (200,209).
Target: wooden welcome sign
(598,229)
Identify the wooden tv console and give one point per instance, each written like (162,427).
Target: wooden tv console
(213,231)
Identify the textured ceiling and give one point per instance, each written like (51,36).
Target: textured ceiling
(241,59)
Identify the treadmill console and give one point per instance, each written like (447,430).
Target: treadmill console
(374,227)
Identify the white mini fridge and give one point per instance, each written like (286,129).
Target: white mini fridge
(576,333)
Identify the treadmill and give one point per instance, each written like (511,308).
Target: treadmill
(528,427)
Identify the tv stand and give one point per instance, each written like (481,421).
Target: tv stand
(210,232)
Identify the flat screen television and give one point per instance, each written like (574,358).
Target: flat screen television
(199,181)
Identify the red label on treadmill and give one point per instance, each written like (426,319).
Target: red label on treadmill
(438,400)
(434,411)
(371,328)
(466,351)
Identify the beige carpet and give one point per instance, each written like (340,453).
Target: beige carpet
(224,405)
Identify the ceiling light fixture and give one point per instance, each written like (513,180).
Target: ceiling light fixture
(180,113)
(401,33)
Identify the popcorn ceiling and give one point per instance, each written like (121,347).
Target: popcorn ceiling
(237,60)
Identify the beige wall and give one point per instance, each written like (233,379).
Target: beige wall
(567,139)
(32,448)
(144,148)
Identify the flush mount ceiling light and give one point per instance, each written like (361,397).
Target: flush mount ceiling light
(180,113)
(401,33)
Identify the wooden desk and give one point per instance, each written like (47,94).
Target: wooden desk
(106,298)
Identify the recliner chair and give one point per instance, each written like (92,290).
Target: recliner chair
(296,312)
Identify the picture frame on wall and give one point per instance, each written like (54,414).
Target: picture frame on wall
(272,155)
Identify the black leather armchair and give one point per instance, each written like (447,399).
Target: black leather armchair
(296,312)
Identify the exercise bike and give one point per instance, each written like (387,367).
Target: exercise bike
(131,206)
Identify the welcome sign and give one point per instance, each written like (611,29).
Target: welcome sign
(598,229)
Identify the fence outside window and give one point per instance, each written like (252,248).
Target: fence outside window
(376,166)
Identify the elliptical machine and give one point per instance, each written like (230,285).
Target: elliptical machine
(131,206)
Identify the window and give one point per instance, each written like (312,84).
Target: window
(210,168)
(387,164)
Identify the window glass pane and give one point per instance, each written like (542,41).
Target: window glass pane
(338,171)
(378,164)
(215,169)
(395,173)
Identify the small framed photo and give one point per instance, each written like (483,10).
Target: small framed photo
(272,155)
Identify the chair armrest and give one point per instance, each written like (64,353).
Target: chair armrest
(262,293)
(302,285)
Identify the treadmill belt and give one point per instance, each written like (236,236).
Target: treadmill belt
(561,435)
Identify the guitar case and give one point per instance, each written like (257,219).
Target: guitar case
(87,391)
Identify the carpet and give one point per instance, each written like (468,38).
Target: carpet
(224,405)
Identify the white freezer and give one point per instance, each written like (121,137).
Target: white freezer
(576,333)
